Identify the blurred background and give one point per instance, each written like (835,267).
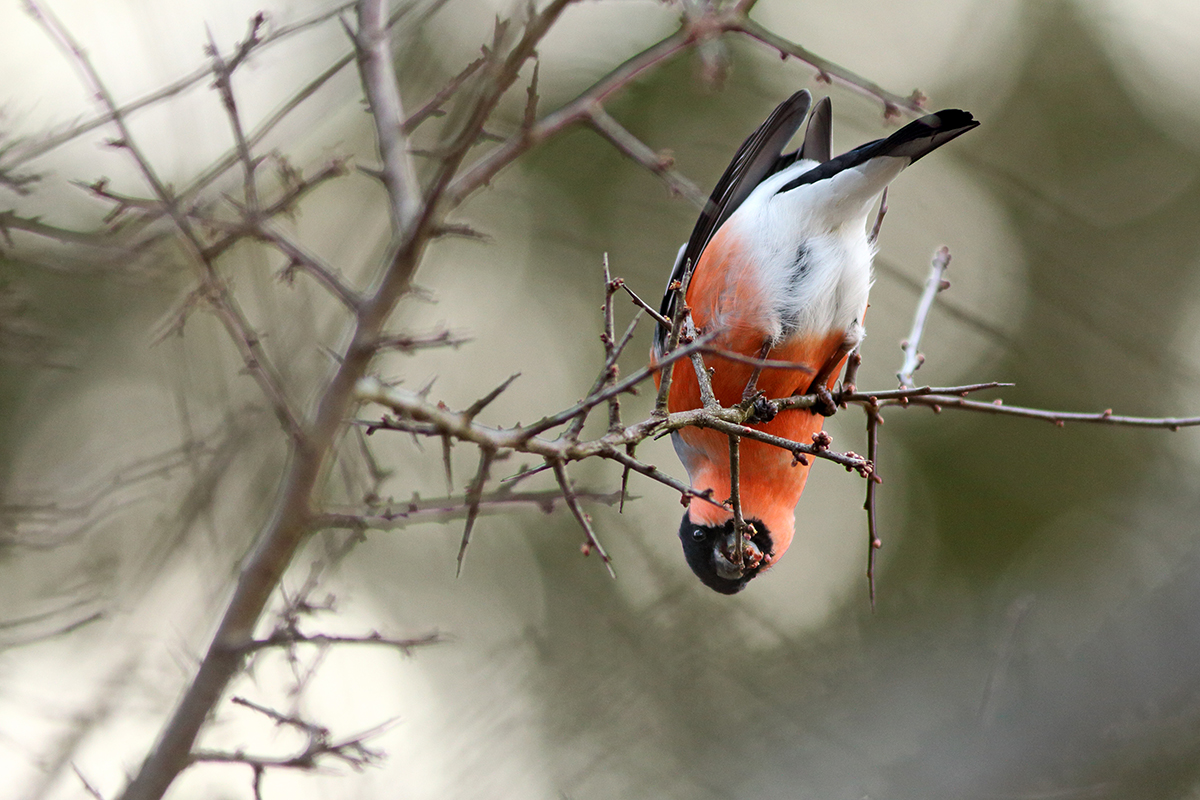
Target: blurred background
(1037,632)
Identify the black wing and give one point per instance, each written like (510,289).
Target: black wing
(914,140)
(818,138)
(756,159)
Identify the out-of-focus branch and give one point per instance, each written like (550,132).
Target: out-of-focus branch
(828,71)
(873,480)
(292,638)
(634,148)
(373,45)
(226,307)
(933,284)
(397,515)
(321,746)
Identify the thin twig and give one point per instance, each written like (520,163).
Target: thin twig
(228,311)
(627,384)
(1058,418)
(883,209)
(310,263)
(410,343)
(873,541)
(735,497)
(677,322)
(474,492)
(828,71)
(591,543)
(933,284)
(293,638)
(87,786)
(435,103)
(479,405)
(373,44)
(653,312)
(223,80)
(632,147)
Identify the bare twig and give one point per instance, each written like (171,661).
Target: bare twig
(383,94)
(310,263)
(1059,418)
(474,492)
(591,543)
(410,343)
(627,384)
(827,70)
(933,284)
(883,209)
(735,498)
(223,80)
(435,103)
(677,324)
(352,750)
(634,148)
(226,308)
(293,638)
(653,312)
(473,410)
(87,786)
(397,515)
(873,480)
(483,170)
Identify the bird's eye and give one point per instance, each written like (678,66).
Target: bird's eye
(698,535)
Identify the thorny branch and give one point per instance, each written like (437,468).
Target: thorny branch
(462,163)
(933,284)
(351,751)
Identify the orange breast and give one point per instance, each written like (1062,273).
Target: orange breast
(723,300)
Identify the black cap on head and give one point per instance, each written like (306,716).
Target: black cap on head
(702,547)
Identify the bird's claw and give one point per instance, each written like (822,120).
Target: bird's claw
(761,410)
(825,404)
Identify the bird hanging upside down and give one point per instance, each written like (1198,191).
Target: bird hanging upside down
(782,268)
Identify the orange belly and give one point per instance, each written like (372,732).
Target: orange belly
(721,298)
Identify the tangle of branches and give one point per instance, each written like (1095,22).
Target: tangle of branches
(421,205)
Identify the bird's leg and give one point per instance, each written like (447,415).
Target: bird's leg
(826,406)
(763,411)
(752,384)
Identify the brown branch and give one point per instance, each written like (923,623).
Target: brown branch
(28,153)
(445,509)
(883,209)
(373,45)
(292,638)
(653,312)
(223,80)
(612,351)
(633,148)
(1060,418)
(827,70)
(473,495)
(447,186)
(679,289)
(410,343)
(297,187)
(735,498)
(483,170)
(253,355)
(435,103)
(874,420)
(568,492)
(351,750)
(933,284)
(311,264)
(626,385)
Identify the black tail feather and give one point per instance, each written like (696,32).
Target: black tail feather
(914,141)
